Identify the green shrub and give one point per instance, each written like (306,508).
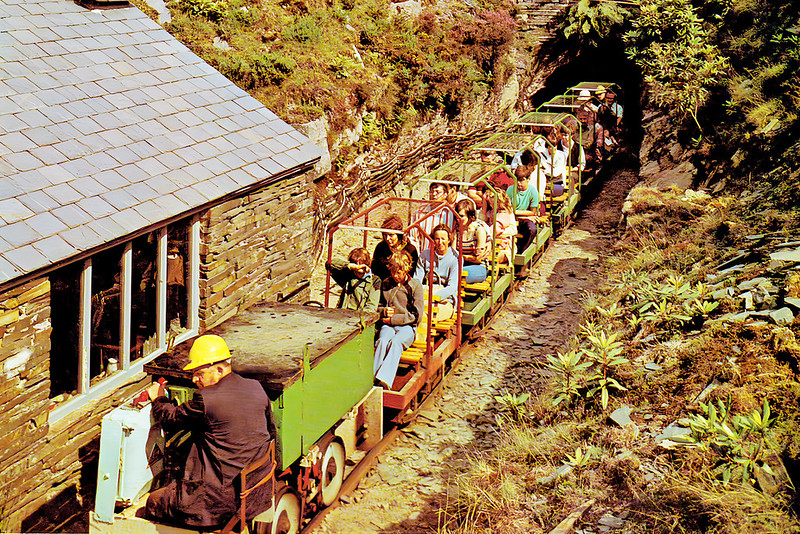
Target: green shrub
(210,9)
(304,29)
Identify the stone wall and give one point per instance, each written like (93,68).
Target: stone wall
(255,248)
(42,466)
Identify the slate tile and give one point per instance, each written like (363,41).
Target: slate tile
(38,201)
(151,166)
(86,125)
(26,258)
(123,155)
(33,118)
(88,186)
(96,207)
(101,161)
(82,238)
(227,124)
(154,127)
(72,215)
(189,154)
(140,191)
(225,183)
(217,165)
(111,179)
(107,228)
(27,101)
(8,270)
(170,122)
(52,49)
(242,178)
(97,142)
(57,113)
(199,172)
(180,178)
(143,149)
(115,137)
(119,199)
(4,247)
(247,102)
(48,155)
(108,121)
(188,118)
(47,224)
(12,210)
(22,161)
(170,160)
(192,197)
(270,166)
(222,145)
(284,160)
(55,248)
(19,234)
(79,108)
(165,143)
(130,219)
(30,180)
(119,100)
(198,133)
(132,173)
(11,123)
(206,193)
(135,132)
(55,174)
(258,171)
(41,136)
(78,167)
(172,204)
(62,193)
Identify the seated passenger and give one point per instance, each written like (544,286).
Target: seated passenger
(506,225)
(552,165)
(231,424)
(525,200)
(609,114)
(591,132)
(392,242)
(438,193)
(361,291)
(445,271)
(401,306)
(475,242)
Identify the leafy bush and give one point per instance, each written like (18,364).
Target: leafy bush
(676,53)
(305,30)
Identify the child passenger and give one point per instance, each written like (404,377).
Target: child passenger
(401,306)
(361,290)
(475,242)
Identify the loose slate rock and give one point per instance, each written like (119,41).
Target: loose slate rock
(786,255)
(621,416)
(782,317)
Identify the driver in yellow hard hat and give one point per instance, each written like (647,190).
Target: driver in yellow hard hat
(231,426)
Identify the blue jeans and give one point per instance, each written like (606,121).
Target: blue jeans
(392,341)
(476,273)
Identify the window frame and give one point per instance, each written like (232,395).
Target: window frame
(87,394)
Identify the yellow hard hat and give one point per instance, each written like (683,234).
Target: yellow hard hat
(206,350)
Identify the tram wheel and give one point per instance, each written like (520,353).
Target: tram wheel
(287,513)
(332,472)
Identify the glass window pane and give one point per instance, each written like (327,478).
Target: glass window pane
(65,338)
(105,348)
(144,302)
(177,278)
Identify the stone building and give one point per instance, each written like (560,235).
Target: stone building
(143,199)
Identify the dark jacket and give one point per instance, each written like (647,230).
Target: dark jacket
(231,424)
(380,259)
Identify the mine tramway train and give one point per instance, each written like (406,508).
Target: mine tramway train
(316,362)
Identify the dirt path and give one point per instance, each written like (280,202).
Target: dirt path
(406,489)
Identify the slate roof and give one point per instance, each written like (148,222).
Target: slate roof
(108,125)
